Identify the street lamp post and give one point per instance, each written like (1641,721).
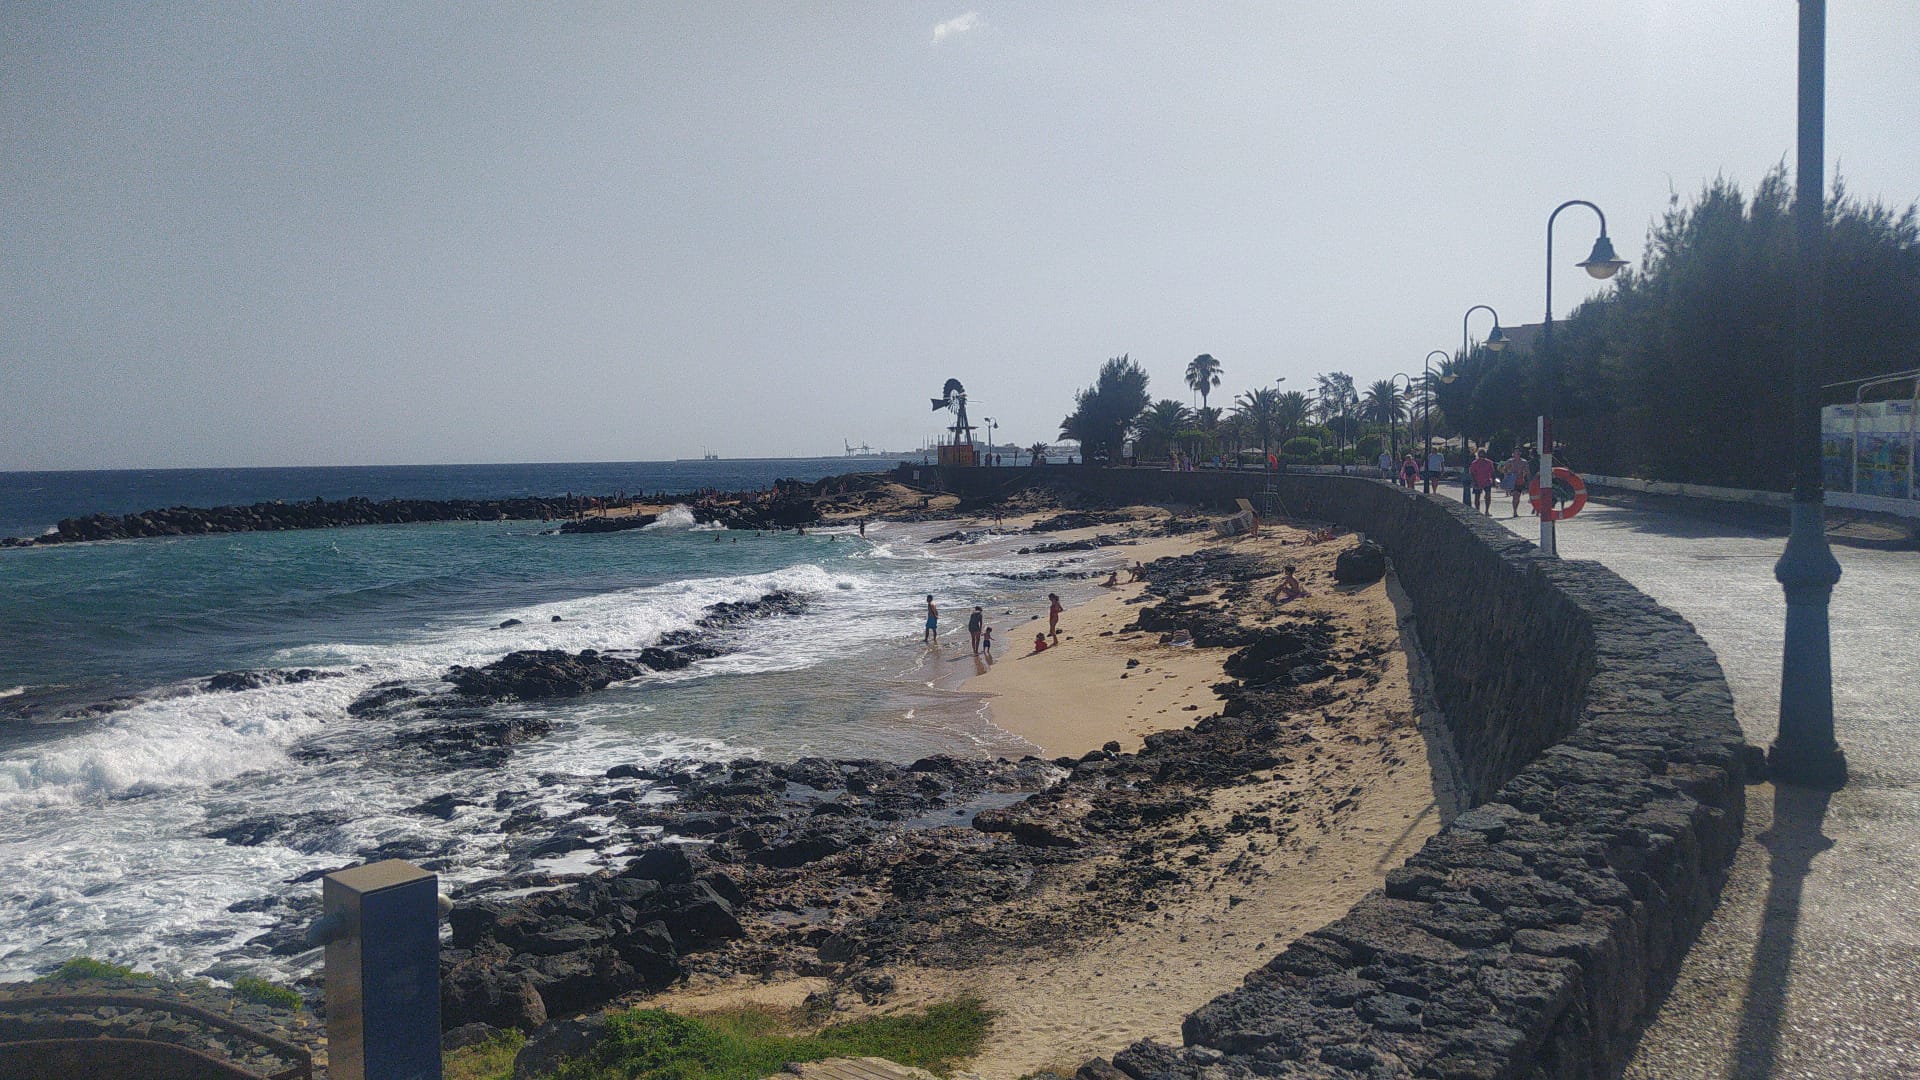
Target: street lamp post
(1393,414)
(1496,342)
(991,422)
(1601,264)
(1426,439)
(1804,751)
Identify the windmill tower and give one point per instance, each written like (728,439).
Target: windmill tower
(953,398)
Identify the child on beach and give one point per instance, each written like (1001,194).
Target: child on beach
(1039,643)
(933,621)
(1112,582)
(986,645)
(1053,615)
(1290,587)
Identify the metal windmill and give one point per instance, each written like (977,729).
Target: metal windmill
(953,397)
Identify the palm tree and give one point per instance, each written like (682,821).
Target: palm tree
(1235,431)
(1262,411)
(1383,403)
(1203,374)
(1037,454)
(1160,426)
(1295,407)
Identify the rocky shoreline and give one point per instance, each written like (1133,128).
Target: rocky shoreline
(849,870)
(844,869)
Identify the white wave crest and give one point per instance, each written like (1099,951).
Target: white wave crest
(675,517)
(195,738)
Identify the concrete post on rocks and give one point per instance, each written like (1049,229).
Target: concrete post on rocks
(381,928)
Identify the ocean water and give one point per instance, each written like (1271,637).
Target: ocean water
(105,814)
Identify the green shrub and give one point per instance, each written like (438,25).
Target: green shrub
(1301,448)
(262,992)
(652,1044)
(86,967)
(488,1060)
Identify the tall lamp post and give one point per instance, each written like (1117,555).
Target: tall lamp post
(1426,439)
(1496,342)
(1393,415)
(1601,264)
(991,422)
(1804,751)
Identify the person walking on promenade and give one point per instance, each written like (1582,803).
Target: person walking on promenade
(1053,615)
(976,622)
(1516,475)
(1436,464)
(1386,465)
(1482,471)
(933,621)
(1409,472)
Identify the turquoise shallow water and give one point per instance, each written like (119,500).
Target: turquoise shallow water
(104,819)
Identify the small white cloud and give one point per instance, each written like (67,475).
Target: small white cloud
(959,24)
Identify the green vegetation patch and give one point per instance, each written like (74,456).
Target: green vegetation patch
(489,1060)
(86,967)
(748,1044)
(262,992)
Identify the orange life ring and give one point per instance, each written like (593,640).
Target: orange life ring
(1543,500)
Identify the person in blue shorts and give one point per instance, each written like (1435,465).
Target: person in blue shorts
(933,621)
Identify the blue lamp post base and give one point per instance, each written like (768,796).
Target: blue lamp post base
(1805,752)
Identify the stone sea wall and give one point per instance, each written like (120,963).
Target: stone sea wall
(1525,939)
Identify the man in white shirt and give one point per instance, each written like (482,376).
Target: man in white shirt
(1436,465)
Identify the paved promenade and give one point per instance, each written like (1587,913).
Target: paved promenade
(1811,965)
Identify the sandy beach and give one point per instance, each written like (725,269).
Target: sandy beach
(1080,695)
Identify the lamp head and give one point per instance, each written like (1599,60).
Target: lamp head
(1448,378)
(1603,263)
(1497,341)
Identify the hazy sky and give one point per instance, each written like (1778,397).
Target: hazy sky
(382,233)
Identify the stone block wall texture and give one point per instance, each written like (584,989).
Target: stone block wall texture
(1607,772)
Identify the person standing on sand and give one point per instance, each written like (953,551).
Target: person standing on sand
(1053,615)
(933,622)
(976,622)
(986,645)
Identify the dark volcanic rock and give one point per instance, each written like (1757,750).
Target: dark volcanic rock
(382,697)
(607,524)
(1362,563)
(254,680)
(533,674)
